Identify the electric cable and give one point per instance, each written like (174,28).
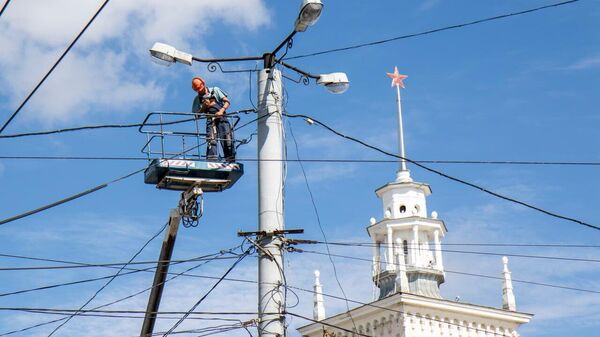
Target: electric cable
(314,241)
(250,88)
(111,279)
(436,30)
(207,293)
(209,331)
(353,332)
(447,176)
(129,272)
(341,298)
(341,161)
(4,7)
(114,126)
(188,275)
(69,198)
(537,245)
(23,291)
(86,192)
(463,273)
(137,314)
(444,250)
(54,66)
(75,265)
(93,127)
(126,297)
(63,310)
(312,199)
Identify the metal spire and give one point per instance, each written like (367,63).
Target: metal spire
(397,81)
(319,307)
(508,296)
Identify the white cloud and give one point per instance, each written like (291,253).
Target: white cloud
(584,63)
(428,4)
(103,73)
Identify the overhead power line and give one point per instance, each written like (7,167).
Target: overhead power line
(222,252)
(318,218)
(61,310)
(188,313)
(204,259)
(69,198)
(541,257)
(436,30)
(463,273)
(4,7)
(92,127)
(329,324)
(536,245)
(86,192)
(139,251)
(186,274)
(112,265)
(332,160)
(447,176)
(54,66)
(111,126)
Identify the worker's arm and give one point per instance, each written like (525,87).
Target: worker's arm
(226,105)
(196,105)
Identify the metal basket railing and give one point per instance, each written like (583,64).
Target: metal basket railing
(178,135)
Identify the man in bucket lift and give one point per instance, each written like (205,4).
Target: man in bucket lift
(213,102)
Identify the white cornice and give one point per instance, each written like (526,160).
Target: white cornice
(424,187)
(445,307)
(410,221)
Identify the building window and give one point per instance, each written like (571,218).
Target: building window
(405,248)
(402,209)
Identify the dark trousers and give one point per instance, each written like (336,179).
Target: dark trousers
(224,134)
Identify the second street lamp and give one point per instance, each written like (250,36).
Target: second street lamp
(271,280)
(310,11)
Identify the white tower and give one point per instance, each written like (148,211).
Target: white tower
(408,269)
(407,254)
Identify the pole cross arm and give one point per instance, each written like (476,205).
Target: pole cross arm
(336,83)
(167,55)
(298,70)
(228,59)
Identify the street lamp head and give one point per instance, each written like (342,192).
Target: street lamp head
(167,55)
(310,11)
(336,83)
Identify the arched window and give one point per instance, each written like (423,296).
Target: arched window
(402,209)
(417,209)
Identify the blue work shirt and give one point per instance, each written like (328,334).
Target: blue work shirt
(216,92)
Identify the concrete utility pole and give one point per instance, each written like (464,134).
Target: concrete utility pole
(270,203)
(162,270)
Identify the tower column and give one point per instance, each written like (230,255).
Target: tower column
(401,278)
(376,258)
(414,246)
(390,250)
(438,250)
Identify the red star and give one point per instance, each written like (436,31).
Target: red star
(397,78)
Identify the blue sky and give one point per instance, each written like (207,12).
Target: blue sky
(522,88)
